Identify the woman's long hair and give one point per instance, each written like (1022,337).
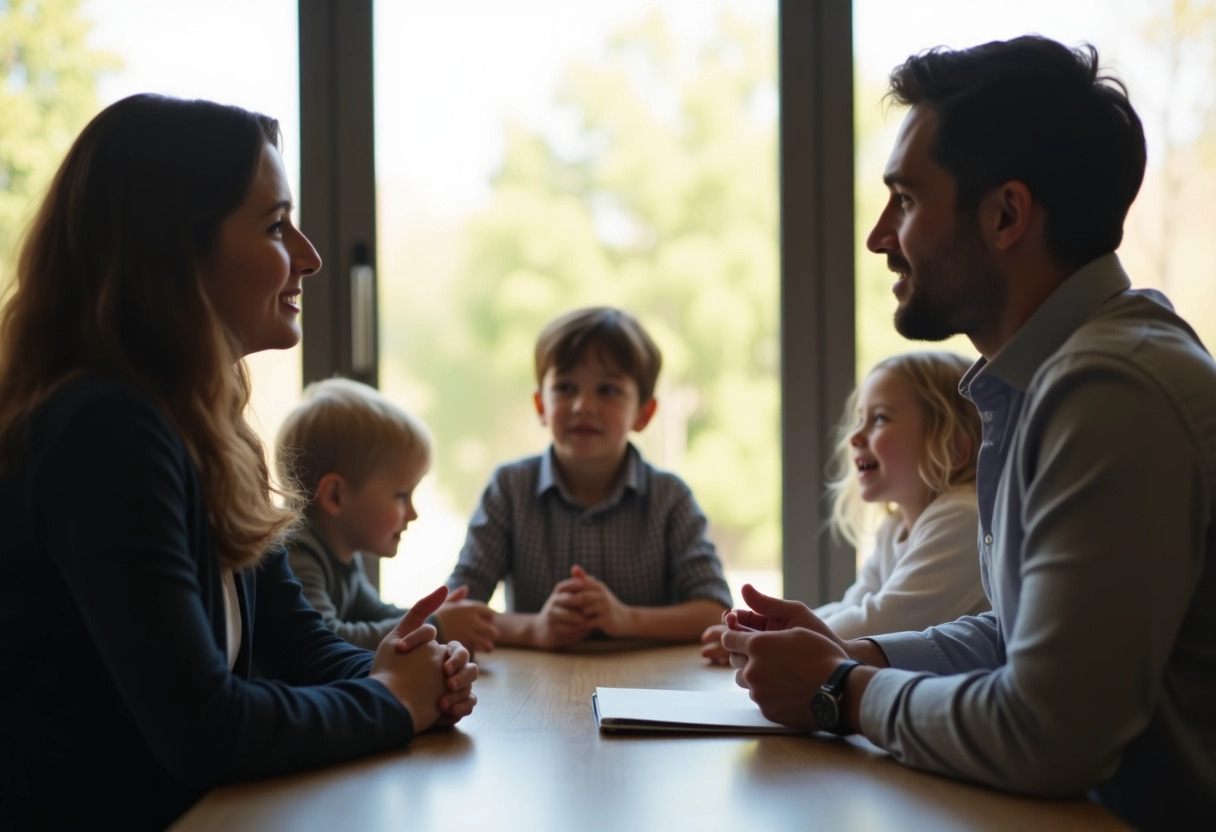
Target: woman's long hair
(108,282)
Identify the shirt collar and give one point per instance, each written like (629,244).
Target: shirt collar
(1072,303)
(632,476)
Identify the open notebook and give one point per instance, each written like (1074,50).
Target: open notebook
(641,709)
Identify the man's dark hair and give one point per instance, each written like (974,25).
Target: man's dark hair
(1034,111)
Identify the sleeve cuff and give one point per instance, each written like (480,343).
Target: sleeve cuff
(909,651)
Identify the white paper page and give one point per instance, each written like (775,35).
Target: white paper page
(681,710)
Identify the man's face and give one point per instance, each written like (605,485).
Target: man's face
(948,281)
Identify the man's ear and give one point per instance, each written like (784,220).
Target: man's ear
(1007,214)
(330,493)
(645,413)
(538,401)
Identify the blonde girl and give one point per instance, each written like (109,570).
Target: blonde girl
(904,469)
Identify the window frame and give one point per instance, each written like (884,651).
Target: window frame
(815,80)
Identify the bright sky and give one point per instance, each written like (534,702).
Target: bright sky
(449,73)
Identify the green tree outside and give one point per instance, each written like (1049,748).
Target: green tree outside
(665,203)
(48,91)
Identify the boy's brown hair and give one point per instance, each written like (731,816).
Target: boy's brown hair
(613,334)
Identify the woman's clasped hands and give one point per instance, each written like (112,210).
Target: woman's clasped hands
(433,681)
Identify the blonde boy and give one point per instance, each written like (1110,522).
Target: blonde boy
(357,458)
(588,537)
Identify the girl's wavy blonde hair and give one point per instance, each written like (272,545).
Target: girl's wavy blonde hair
(108,282)
(949,418)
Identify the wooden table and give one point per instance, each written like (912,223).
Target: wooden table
(531,758)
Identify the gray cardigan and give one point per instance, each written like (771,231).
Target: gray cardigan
(341,592)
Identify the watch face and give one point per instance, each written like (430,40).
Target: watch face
(823,708)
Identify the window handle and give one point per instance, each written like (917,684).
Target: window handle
(362,312)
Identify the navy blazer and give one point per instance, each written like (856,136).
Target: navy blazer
(117,707)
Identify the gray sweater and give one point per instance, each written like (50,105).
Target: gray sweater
(341,592)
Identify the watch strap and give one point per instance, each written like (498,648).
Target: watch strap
(834,685)
(832,690)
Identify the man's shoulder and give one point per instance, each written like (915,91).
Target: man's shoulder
(1136,334)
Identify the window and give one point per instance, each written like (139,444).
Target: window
(532,157)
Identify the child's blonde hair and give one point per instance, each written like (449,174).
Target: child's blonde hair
(345,427)
(935,378)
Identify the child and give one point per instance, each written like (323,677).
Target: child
(588,536)
(357,457)
(174,651)
(908,442)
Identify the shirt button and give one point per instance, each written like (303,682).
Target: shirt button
(988,539)
(987,415)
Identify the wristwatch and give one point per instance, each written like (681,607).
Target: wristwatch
(825,704)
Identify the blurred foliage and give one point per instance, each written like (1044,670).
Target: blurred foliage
(48,77)
(662,201)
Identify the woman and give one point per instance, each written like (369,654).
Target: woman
(154,642)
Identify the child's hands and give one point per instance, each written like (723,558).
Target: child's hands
(713,649)
(600,607)
(468,622)
(561,621)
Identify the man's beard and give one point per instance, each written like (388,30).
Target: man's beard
(953,292)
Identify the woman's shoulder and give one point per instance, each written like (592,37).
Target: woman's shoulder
(107,408)
(90,391)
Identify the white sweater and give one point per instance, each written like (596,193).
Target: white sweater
(916,578)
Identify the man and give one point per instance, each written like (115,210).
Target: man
(1095,671)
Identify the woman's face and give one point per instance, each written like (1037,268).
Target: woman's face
(254,271)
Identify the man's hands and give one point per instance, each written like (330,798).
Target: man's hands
(782,652)
(767,614)
(782,670)
(770,614)
(433,682)
(468,622)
